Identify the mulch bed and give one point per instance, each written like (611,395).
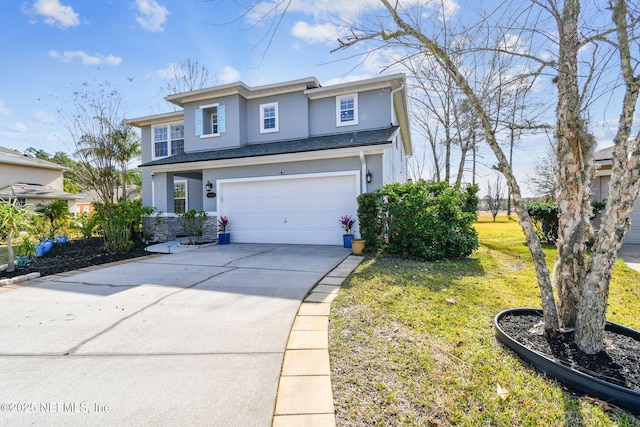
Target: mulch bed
(618,364)
(75,254)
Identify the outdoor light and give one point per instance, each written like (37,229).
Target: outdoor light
(369,177)
(209,186)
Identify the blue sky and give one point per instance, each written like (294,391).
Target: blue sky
(52,46)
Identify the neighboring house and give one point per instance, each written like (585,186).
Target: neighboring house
(284,161)
(85,200)
(604,162)
(32,181)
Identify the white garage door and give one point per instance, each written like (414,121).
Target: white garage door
(298,209)
(633,235)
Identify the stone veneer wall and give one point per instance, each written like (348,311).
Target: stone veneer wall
(163,228)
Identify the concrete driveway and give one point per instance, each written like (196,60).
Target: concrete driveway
(194,338)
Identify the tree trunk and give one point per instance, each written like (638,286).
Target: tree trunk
(546,290)
(575,166)
(11,266)
(624,189)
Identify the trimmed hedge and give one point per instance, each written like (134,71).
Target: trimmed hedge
(544,216)
(426,220)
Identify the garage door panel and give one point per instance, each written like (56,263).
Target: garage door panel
(302,210)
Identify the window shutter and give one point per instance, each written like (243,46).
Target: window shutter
(221,119)
(199,122)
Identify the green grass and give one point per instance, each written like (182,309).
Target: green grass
(412,343)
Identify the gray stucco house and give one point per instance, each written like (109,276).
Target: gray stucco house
(283,161)
(604,161)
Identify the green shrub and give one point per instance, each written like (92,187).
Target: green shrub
(120,223)
(427,220)
(85,224)
(544,216)
(370,220)
(193,224)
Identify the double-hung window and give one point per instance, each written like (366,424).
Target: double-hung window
(269,118)
(177,139)
(347,110)
(160,141)
(210,120)
(180,197)
(168,139)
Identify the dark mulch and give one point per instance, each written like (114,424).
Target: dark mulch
(75,254)
(618,364)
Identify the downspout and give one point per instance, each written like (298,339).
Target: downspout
(363,172)
(399,88)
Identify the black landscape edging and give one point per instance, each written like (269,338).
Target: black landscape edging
(612,393)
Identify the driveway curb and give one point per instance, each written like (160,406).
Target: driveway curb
(305,397)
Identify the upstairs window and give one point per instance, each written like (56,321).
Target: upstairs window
(269,118)
(177,139)
(347,110)
(168,139)
(160,142)
(210,120)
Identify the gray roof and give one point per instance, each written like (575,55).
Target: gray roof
(314,143)
(604,154)
(35,191)
(13,157)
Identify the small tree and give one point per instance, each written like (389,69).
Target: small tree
(494,197)
(57,212)
(13,217)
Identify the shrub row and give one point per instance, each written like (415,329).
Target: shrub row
(426,220)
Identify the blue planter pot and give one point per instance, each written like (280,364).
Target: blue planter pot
(22,261)
(224,238)
(346,240)
(61,239)
(48,244)
(39,249)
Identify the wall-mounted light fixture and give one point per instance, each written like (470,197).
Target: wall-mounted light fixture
(369,177)
(209,186)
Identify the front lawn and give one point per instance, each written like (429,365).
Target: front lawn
(412,343)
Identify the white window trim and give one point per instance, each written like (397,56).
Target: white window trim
(277,118)
(186,194)
(167,126)
(355,110)
(206,107)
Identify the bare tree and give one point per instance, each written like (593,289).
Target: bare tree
(185,76)
(494,197)
(544,181)
(93,121)
(587,56)
(582,282)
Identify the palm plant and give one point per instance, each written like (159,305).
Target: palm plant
(13,217)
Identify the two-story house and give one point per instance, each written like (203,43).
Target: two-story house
(283,161)
(30,180)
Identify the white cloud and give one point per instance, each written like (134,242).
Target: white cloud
(17,127)
(43,116)
(56,14)
(96,59)
(320,33)
(4,110)
(152,16)
(229,75)
(170,72)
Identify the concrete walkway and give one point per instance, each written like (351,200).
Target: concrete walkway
(193,338)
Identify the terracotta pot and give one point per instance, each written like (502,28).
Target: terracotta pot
(613,393)
(357,246)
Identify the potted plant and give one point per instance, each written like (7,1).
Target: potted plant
(357,246)
(347,223)
(224,238)
(25,250)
